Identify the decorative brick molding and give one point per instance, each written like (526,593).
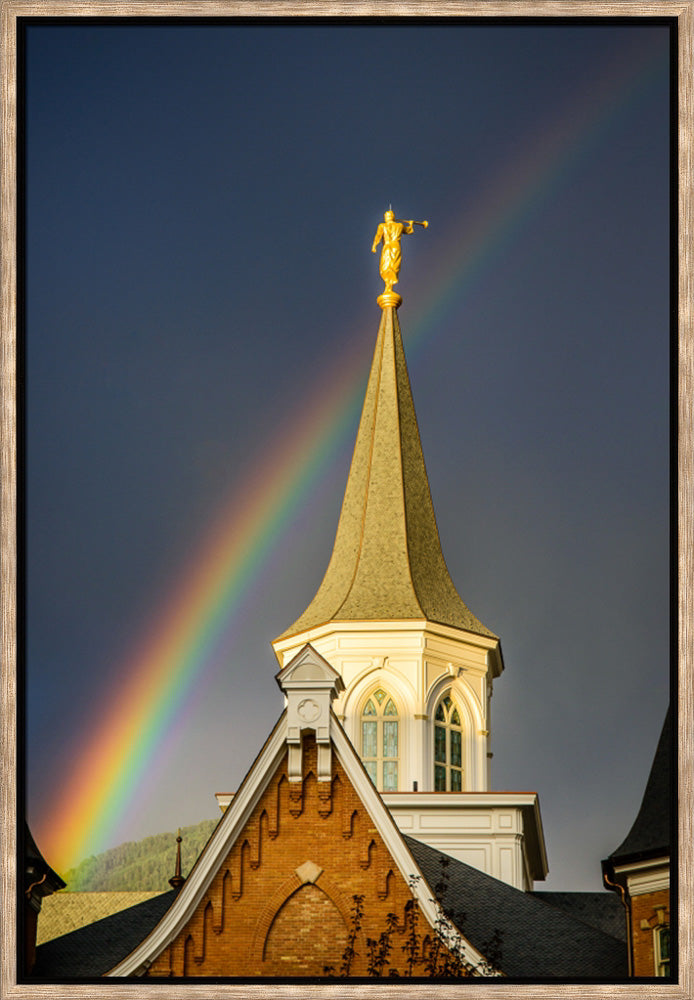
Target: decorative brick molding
(350,820)
(383,893)
(365,859)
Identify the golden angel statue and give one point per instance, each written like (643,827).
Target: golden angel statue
(390,231)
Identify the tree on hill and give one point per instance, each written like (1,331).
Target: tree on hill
(146,864)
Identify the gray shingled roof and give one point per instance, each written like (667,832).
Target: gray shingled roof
(651,833)
(536,940)
(541,935)
(599,909)
(91,951)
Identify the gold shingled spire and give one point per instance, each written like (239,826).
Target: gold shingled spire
(390,231)
(387,562)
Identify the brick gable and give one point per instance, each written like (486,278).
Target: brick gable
(280,902)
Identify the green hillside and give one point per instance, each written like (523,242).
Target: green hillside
(143,864)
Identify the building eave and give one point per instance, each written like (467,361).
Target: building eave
(527,803)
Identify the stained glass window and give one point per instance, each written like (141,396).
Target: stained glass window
(390,739)
(368,739)
(370,766)
(455,738)
(440,744)
(448,747)
(390,776)
(380,740)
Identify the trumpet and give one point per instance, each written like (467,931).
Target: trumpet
(413,222)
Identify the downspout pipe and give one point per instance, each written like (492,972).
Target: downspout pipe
(615,886)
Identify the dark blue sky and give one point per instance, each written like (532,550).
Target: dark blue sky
(200,206)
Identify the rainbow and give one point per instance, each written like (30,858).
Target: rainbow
(102,775)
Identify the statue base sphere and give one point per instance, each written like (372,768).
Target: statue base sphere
(389,299)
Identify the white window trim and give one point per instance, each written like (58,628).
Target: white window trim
(473,722)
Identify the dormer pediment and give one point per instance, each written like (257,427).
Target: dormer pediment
(307,670)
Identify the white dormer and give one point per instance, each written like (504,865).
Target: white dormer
(310,686)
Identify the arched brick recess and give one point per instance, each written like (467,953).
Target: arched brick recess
(308,933)
(350,823)
(278,800)
(385,890)
(188,956)
(280,897)
(258,840)
(204,931)
(310,792)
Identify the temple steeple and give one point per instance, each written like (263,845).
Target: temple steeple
(417,666)
(387,561)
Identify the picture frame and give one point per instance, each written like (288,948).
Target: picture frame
(12,12)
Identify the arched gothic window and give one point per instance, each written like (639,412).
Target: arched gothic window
(379,741)
(448,747)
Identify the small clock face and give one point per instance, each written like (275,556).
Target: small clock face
(308,710)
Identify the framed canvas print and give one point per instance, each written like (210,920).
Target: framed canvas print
(347,451)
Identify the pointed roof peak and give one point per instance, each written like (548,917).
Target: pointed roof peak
(651,831)
(387,562)
(177,879)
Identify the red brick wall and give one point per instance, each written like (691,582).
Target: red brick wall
(257,919)
(645,916)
